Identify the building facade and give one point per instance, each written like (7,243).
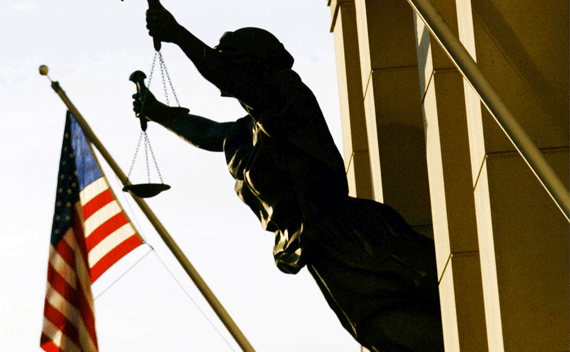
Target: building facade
(417,137)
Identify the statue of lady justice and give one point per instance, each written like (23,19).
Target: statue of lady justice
(376,273)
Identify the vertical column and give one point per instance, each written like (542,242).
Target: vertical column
(355,140)
(450,184)
(523,238)
(393,108)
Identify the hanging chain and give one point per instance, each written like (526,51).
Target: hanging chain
(152,68)
(155,164)
(165,76)
(164,71)
(162,68)
(136,152)
(147,148)
(146,142)
(143,102)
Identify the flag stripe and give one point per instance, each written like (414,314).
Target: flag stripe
(100,216)
(58,283)
(114,255)
(111,241)
(48,345)
(93,190)
(84,278)
(106,229)
(55,340)
(55,317)
(99,201)
(74,315)
(81,265)
(60,342)
(84,302)
(67,310)
(60,267)
(68,294)
(65,251)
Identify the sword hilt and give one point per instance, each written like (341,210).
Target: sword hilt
(138,78)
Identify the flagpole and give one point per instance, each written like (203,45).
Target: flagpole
(176,251)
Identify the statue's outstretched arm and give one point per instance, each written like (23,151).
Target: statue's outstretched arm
(199,131)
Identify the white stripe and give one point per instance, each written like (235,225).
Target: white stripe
(61,266)
(93,189)
(73,315)
(110,242)
(100,216)
(58,338)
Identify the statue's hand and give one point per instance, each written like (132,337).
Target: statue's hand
(153,110)
(162,25)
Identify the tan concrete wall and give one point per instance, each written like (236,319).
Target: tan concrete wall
(355,140)
(393,108)
(523,50)
(450,180)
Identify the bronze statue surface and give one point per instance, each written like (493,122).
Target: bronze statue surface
(376,273)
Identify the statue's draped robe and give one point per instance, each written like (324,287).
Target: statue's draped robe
(376,273)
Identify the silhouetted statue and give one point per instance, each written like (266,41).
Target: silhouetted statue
(376,273)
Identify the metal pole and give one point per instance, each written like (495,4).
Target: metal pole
(176,251)
(468,67)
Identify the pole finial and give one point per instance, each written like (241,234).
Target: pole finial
(44,71)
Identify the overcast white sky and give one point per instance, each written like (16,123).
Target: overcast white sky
(91,48)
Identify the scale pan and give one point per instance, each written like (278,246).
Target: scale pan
(146,190)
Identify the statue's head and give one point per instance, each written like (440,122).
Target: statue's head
(255,46)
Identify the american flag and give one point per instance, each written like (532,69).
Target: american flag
(90,233)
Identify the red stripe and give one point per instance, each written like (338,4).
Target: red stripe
(57,319)
(114,256)
(66,252)
(105,229)
(48,345)
(97,203)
